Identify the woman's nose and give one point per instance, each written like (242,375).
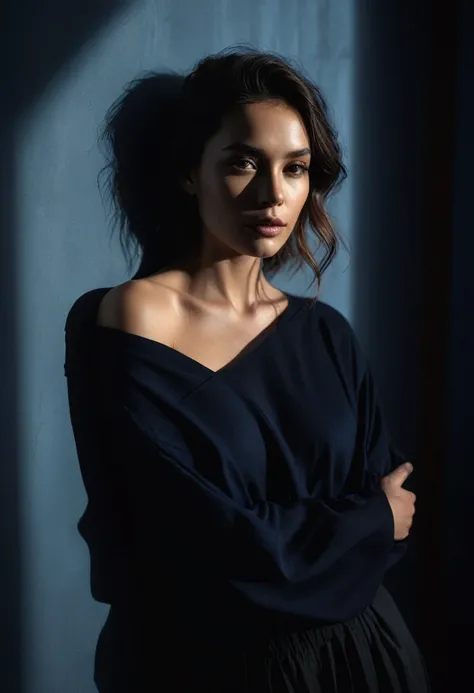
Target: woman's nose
(270,192)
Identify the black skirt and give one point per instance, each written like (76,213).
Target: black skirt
(372,653)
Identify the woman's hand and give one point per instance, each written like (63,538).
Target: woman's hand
(402,502)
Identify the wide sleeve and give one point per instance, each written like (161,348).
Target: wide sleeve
(107,531)
(309,558)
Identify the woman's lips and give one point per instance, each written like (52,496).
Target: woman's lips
(267,229)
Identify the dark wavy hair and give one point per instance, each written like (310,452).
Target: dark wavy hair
(157,130)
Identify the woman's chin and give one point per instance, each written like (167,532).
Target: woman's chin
(264,247)
(255,246)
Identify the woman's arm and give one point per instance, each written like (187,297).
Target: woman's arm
(309,557)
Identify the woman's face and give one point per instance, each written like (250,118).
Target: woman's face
(253,180)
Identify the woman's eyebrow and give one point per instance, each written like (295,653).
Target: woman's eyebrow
(248,149)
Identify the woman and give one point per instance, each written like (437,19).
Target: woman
(244,498)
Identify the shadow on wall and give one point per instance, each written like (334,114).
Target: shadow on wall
(39,38)
(143,126)
(403,220)
(387,251)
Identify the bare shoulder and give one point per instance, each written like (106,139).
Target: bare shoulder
(140,306)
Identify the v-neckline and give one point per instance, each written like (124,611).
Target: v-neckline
(253,346)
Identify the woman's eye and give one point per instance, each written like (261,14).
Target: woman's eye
(297,169)
(243,164)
